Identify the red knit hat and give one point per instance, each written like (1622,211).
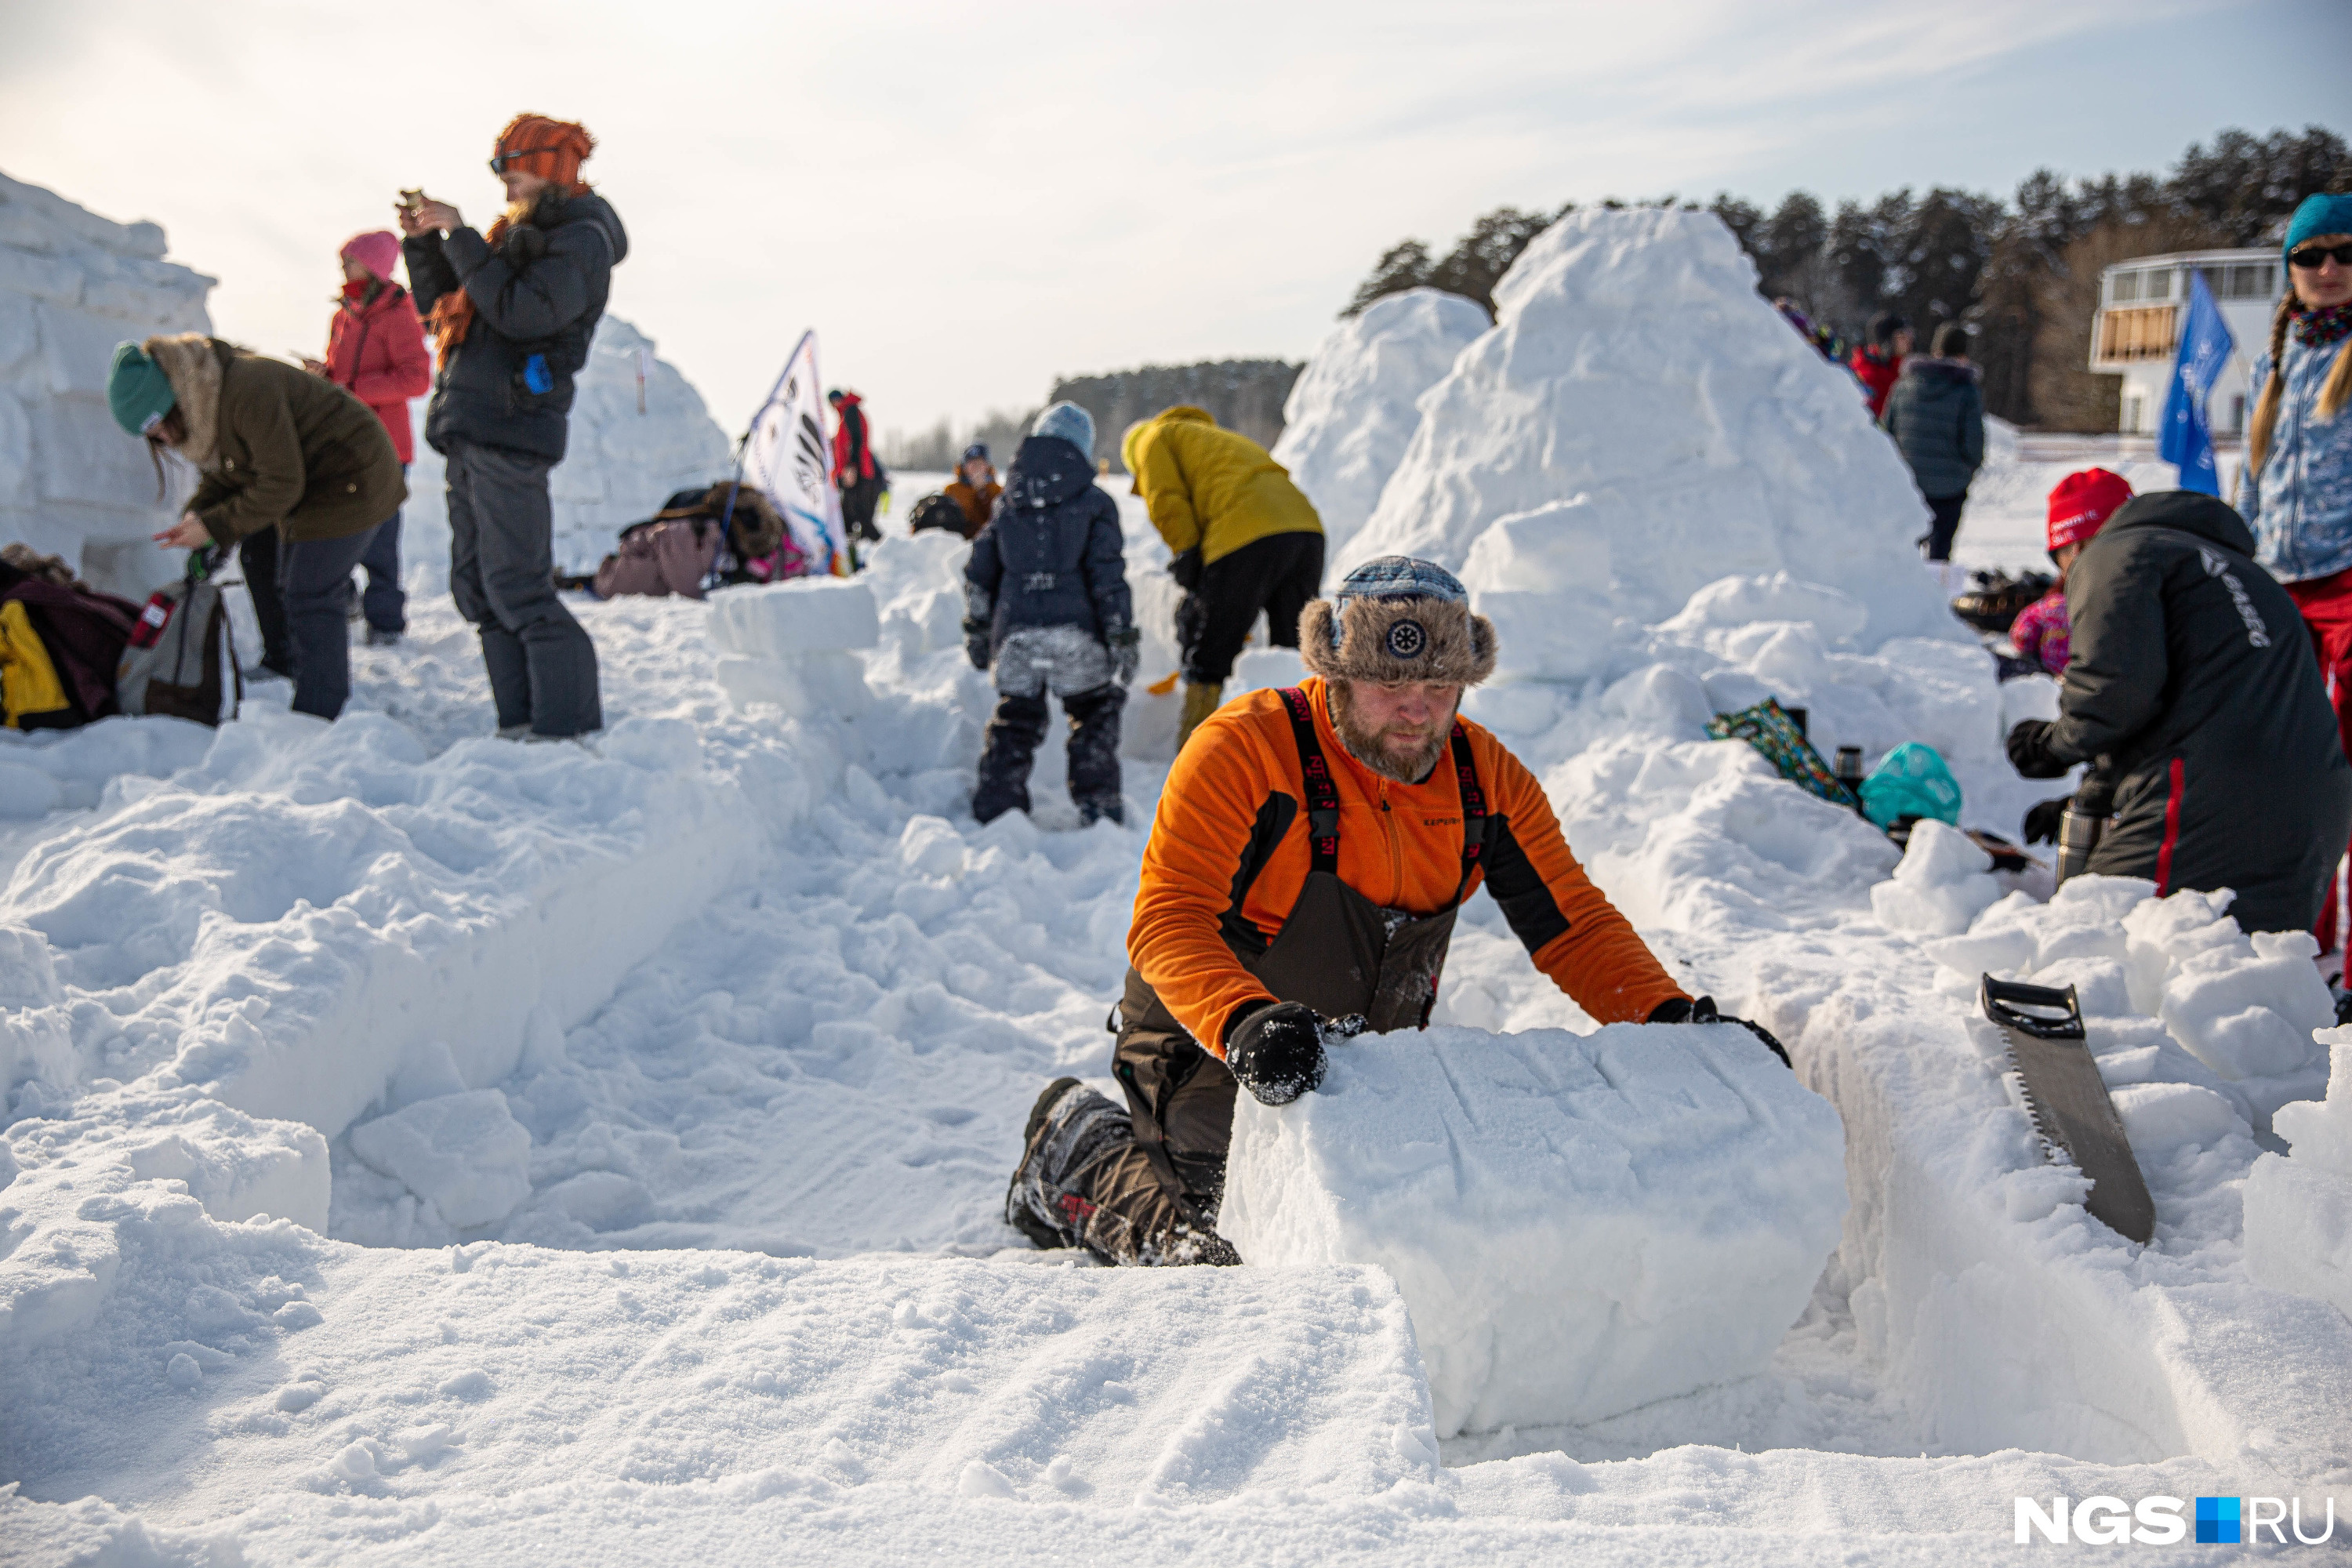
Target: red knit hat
(2082,504)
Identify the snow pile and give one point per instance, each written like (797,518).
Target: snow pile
(1944,882)
(620,463)
(1353,410)
(1580,1224)
(1664,428)
(2299,1209)
(73,285)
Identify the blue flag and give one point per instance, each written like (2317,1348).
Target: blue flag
(2186,438)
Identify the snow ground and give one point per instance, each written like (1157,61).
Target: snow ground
(695,1068)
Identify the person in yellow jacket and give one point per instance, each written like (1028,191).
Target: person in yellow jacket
(1246,540)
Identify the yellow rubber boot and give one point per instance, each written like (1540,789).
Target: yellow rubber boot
(1200,702)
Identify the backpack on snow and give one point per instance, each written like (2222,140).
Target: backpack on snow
(941,512)
(181,662)
(60,640)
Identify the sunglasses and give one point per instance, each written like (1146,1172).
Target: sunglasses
(505,160)
(2311,257)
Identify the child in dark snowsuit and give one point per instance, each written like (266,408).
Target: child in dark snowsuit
(1047,601)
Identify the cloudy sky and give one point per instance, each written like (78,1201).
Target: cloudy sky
(967,200)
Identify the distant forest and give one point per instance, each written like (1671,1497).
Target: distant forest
(2024,273)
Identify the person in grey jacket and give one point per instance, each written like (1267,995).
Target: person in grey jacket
(1046,603)
(2191,686)
(513,312)
(1936,414)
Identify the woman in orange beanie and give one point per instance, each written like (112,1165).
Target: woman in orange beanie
(512,313)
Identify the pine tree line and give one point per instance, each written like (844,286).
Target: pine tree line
(2023,273)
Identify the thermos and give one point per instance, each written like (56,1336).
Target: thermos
(1849,771)
(2078,835)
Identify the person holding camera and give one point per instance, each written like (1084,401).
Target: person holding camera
(512,313)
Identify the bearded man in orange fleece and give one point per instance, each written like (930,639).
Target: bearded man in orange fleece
(1311,849)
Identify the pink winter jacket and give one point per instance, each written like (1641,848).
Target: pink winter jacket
(661,557)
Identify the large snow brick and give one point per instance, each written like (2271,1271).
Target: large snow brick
(1581,1224)
(807,615)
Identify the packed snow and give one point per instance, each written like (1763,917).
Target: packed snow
(1582,1224)
(428,1146)
(73,285)
(1353,410)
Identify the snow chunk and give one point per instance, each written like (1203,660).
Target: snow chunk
(1944,882)
(1354,408)
(1580,1224)
(807,615)
(464,1151)
(2299,1208)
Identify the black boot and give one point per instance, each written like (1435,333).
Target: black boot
(1006,755)
(1069,1127)
(1093,752)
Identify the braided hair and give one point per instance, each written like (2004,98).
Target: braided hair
(2333,393)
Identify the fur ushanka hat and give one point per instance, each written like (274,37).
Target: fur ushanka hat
(1397,619)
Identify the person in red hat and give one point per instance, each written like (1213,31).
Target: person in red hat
(2078,505)
(375,349)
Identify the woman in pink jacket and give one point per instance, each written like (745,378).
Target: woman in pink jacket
(375,347)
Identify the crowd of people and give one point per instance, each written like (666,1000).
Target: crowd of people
(1313,844)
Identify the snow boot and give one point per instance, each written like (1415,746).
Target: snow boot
(1200,702)
(1093,752)
(1069,1128)
(1007,750)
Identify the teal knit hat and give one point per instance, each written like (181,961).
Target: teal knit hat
(138,390)
(2323,213)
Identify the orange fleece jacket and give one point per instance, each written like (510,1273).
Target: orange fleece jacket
(1400,845)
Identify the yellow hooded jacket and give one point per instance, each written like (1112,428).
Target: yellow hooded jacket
(1209,488)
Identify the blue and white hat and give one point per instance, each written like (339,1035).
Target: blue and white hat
(1396,619)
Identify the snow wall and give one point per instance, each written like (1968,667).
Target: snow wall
(1354,409)
(73,285)
(1653,426)
(619,466)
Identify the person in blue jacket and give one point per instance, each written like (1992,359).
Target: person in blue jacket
(1046,604)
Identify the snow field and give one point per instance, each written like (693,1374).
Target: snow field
(822,1054)
(1580,1224)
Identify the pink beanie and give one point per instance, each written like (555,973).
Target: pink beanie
(376,251)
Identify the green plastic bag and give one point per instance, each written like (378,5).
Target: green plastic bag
(1768,728)
(1911,781)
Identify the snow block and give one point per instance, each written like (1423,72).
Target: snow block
(466,1153)
(1944,883)
(807,615)
(1580,1224)
(2299,1208)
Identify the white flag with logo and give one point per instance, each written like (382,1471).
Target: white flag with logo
(786,456)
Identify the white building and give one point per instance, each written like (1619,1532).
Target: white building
(2141,305)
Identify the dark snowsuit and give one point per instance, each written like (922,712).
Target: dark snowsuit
(537,296)
(1049,576)
(1935,413)
(2191,679)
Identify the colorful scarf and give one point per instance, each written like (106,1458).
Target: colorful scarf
(2324,325)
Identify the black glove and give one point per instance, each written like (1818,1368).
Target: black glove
(1186,569)
(2042,821)
(1683,1010)
(1276,1052)
(2029,751)
(524,244)
(975,644)
(1126,645)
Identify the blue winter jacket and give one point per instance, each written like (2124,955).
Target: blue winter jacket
(2300,505)
(1052,554)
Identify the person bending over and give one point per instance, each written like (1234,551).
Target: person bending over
(2190,686)
(1311,849)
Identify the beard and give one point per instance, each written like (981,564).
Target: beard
(1401,752)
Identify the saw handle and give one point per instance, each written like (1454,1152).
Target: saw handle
(2003,998)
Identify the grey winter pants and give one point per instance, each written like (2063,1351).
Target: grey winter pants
(543,666)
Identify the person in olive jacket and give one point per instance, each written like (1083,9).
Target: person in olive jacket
(274,446)
(2191,684)
(513,312)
